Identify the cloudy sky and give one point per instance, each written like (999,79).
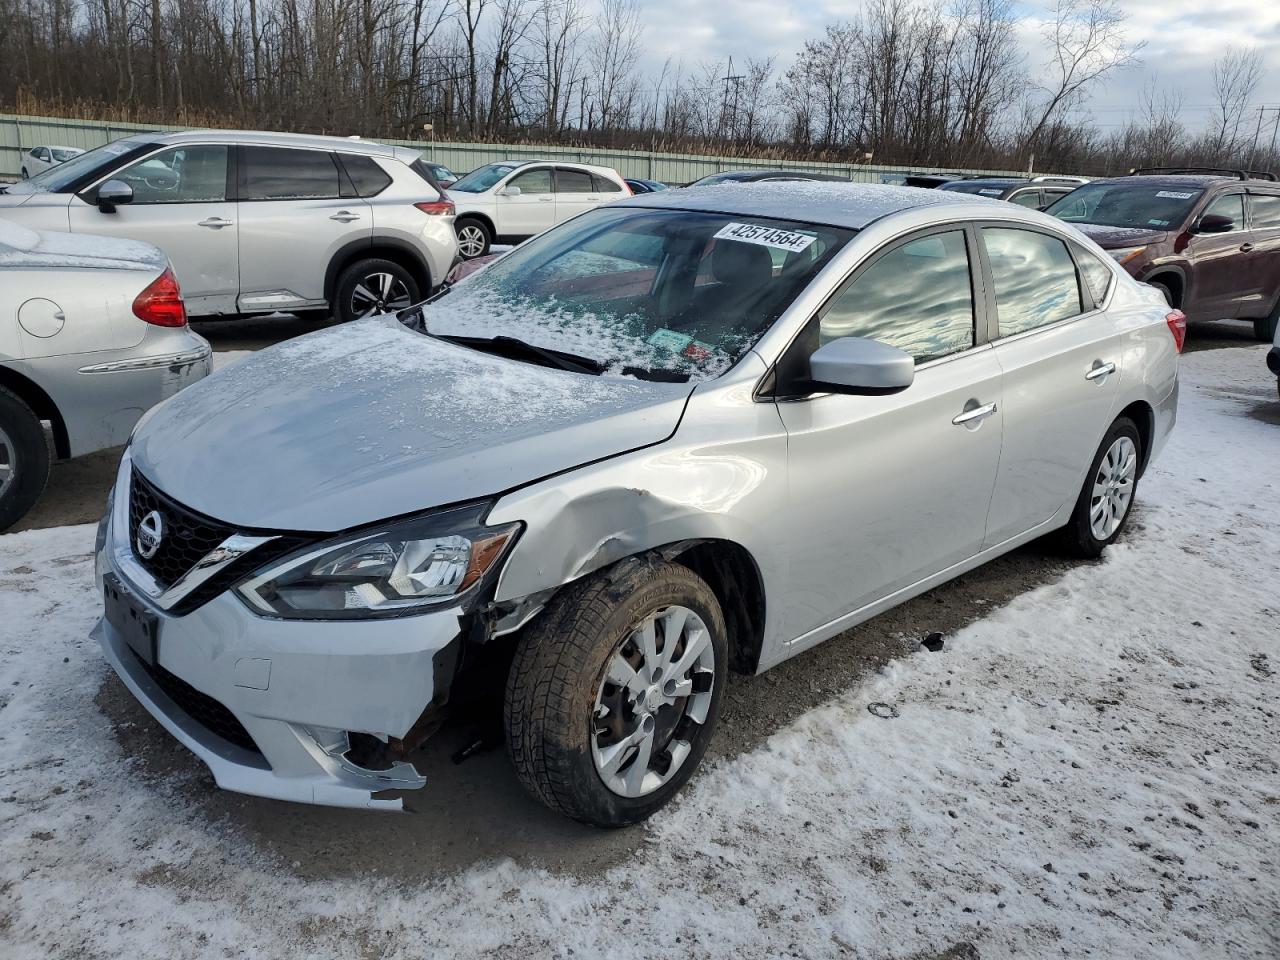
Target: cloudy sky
(1183,37)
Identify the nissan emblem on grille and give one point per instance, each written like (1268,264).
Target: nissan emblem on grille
(150,533)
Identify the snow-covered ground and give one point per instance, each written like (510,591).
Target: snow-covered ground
(1093,770)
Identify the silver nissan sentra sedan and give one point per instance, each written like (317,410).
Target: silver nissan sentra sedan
(690,433)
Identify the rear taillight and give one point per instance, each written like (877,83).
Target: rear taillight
(1177,321)
(437,208)
(161,302)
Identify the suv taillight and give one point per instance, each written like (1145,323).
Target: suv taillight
(1177,321)
(437,208)
(161,302)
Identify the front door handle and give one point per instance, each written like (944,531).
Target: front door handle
(1246,247)
(974,415)
(1100,371)
(345,216)
(546,199)
(215,223)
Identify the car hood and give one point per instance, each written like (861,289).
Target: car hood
(1109,238)
(370,420)
(25,248)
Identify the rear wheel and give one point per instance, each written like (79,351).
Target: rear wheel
(1166,290)
(371,287)
(614,692)
(1105,500)
(24,173)
(474,237)
(24,458)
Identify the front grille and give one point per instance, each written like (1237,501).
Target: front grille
(201,708)
(188,536)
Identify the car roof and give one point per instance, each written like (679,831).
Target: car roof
(848,205)
(989,182)
(269,138)
(1200,180)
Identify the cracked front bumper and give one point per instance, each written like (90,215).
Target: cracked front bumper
(268,705)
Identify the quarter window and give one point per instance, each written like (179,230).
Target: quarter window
(533,181)
(573,181)
(367,177)
(1097,275)
(605,185)
(1231,206)
(279,173)
(1266,212)
(1035,279)
(187,174)
(917,297)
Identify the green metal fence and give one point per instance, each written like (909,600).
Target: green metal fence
(21,133)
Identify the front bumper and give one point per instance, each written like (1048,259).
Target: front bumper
(298,689)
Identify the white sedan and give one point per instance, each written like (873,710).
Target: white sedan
(39,159)
(93,332)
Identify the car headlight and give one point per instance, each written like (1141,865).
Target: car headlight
(1125,254)
(392,570)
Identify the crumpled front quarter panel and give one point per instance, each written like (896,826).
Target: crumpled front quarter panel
(721,476)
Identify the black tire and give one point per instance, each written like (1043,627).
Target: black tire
(24,173)
(559,666)
(1265,329)
(471,231)
(26,454)
(402,292)
(1165,289)
(1078,537)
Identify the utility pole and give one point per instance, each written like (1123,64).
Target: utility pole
(1257,133)
(736,79)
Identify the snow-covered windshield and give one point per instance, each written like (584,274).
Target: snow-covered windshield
(659,294)
(64,174)
(1153,206)
(482,178)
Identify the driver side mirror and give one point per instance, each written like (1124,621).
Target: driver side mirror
(1215,223)
(113,193)
(859,366)
(509,191)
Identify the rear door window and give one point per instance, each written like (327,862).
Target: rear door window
(573,181)
(1027,198)
(1035,279)
(282,173)
(1266,211)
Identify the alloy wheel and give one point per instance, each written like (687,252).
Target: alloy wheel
(8,462)
(656,693)
(470,240)
(379,293)
(1113,488)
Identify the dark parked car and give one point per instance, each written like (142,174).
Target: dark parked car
(1208,238)
(929,181)
(754,176)
(646,186)
(1036,192)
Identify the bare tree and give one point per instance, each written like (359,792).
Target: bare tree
(1086,41)
(1236,75)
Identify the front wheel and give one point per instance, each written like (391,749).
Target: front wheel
(372,287)
(615,690)
(1102,509)
(474,238)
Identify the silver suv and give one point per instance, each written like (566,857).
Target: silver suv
(259,222)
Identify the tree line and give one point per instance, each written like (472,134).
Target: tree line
(916,82)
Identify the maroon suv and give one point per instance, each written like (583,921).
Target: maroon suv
(1210,239)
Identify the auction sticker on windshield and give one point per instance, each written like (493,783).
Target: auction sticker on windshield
(1174,195)
(765,236)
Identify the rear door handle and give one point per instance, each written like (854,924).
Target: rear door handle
(1100,370)
(546,199)
(1246,247)
(974,415)
(215,223)
(345,216)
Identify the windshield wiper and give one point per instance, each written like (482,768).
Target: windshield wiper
(507,346)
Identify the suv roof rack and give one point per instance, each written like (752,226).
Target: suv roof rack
(1212,171)
(1059,179)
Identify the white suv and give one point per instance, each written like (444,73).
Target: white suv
(511,201)
(259,222)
